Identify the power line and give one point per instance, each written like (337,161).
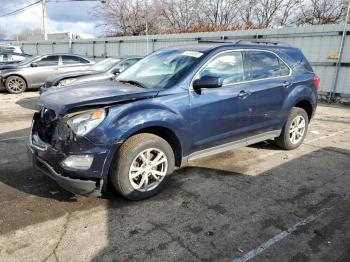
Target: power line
(20,9)
(48,1)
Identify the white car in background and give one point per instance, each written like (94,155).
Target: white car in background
(11,48)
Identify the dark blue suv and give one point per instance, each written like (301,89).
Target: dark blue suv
(176,105)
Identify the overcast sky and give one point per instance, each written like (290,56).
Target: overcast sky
(61,17)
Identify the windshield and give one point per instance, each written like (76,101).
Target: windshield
(161,69)
(105,64)
(28,60)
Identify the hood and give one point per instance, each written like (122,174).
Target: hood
(93,77)
(9,66)
(64,99)
(54,79)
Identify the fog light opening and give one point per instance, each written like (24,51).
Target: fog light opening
(80,162)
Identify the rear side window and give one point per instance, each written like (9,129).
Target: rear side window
(260,65)
(71,60)
(300,59)
(48,61)
(228,66)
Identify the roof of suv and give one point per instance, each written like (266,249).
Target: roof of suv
(208,46)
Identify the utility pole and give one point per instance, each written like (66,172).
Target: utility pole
(147,36)
(43,6)
(340,55)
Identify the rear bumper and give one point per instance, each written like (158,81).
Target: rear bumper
(73,185)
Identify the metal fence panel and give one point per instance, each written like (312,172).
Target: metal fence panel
(320,44)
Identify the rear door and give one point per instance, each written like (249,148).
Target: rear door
(268,82)
(73,63)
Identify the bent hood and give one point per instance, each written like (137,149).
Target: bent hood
(100,93)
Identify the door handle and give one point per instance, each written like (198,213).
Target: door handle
(286,84)
(243,94)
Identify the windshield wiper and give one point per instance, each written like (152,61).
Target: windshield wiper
(132,82)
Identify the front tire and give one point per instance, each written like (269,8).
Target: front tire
(142,166)
(15,84)
(294,130)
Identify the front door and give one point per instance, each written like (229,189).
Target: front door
(215,112)
(42,69)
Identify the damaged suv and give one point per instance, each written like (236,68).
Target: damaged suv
(176,105)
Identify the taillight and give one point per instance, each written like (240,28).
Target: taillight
(316,82)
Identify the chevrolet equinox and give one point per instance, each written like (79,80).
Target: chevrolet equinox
(176,105)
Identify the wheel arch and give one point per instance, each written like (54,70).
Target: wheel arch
(168,135)
(307,106)
(15,74)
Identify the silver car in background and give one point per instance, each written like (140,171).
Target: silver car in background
(32,72)
(102,70)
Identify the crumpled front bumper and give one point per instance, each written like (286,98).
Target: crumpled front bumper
(76,185)
(73,185)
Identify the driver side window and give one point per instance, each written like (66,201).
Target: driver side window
(48,61)
(228,66)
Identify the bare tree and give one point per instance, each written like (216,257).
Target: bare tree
(287,12)
(315,12)
(28,34)
(266,11)
(220,13)
(130,17)
(246,11)
(178,15)
(127,17)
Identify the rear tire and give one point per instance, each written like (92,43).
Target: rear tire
(15,84)
(142,166)
(294,130)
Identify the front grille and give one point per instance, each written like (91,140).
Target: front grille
(46,125)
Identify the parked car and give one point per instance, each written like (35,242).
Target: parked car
(32,72)
(174,106)
(11,48)
(104,69)
(7,57)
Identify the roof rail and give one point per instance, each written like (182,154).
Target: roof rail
(265,42)
(214,41)
(243,41)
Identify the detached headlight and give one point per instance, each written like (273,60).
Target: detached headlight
(67,81)
(83,123)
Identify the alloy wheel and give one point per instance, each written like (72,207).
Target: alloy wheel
(297,129)
(16,84)
(148,169)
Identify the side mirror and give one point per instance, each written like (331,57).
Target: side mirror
(33,64)
(116,71)
(207,82)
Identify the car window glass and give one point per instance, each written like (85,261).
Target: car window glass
(161,69)
(125,64)
(260,65)
(228,66)
(284,68)
(71,60)
(4,57)
(48,61)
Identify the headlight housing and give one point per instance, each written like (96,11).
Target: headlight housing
(83,123)
(67,81)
